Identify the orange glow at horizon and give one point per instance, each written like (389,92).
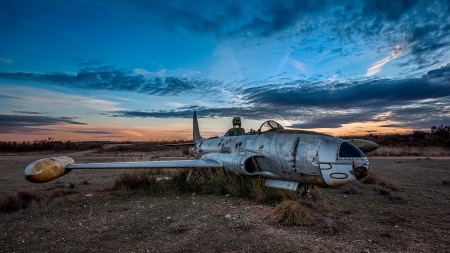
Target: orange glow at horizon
(173,132)
(363,128)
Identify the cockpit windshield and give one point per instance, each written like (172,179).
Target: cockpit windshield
(269,125)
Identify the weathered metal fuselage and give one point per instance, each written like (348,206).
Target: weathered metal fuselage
(288,155)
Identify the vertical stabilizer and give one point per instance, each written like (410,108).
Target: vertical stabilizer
(197,136)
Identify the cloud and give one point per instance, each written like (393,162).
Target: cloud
(315,103)
(421,26)
(27,112)
(336,120)
(358,94)
(14,124)
(109,78)
(300,66)
(6,61)
(414,101)
(85,64)
(377,66)
(92,132)
(8,97)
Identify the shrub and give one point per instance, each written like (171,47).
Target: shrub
(18,201)
(373,178)
(446,181)
(291,213)
(353,188)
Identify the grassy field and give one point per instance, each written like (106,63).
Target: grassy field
(81,212)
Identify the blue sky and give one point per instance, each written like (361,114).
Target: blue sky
(136,70)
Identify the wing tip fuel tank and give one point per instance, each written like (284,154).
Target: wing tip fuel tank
(47,169)
(364,145)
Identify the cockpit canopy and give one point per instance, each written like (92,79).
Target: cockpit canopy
(269,125)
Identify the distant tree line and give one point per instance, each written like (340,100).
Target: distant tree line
(46,144)
(441,130)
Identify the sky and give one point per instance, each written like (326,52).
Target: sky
(136,70)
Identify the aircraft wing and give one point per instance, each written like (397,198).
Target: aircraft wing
(47,169)
(202,163)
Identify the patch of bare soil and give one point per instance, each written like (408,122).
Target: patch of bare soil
(79,213)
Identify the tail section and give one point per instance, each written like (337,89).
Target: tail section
(197,136)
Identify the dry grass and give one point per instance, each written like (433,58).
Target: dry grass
(318,203)
(291,213)
(205,181)
(373,178)
(384,186)
(353,188)
(17,201)
(410,151)
(330,226)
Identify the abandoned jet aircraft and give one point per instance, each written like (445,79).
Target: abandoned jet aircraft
(287,158)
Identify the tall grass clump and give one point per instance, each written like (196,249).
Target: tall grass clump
(291,213)
(206,181)
(383,186)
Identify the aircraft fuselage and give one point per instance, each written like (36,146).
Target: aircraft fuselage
(288,155)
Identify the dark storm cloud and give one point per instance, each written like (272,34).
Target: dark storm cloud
(109,78)
(22,123)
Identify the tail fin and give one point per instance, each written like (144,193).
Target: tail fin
(197,136)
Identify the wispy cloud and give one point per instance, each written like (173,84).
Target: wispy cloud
(27,112)
(300,66)
(8,97)
(377,66)
(16,124)
(6,61)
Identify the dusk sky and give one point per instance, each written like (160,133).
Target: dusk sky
(136,70)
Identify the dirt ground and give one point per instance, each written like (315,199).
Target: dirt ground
(93,218)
